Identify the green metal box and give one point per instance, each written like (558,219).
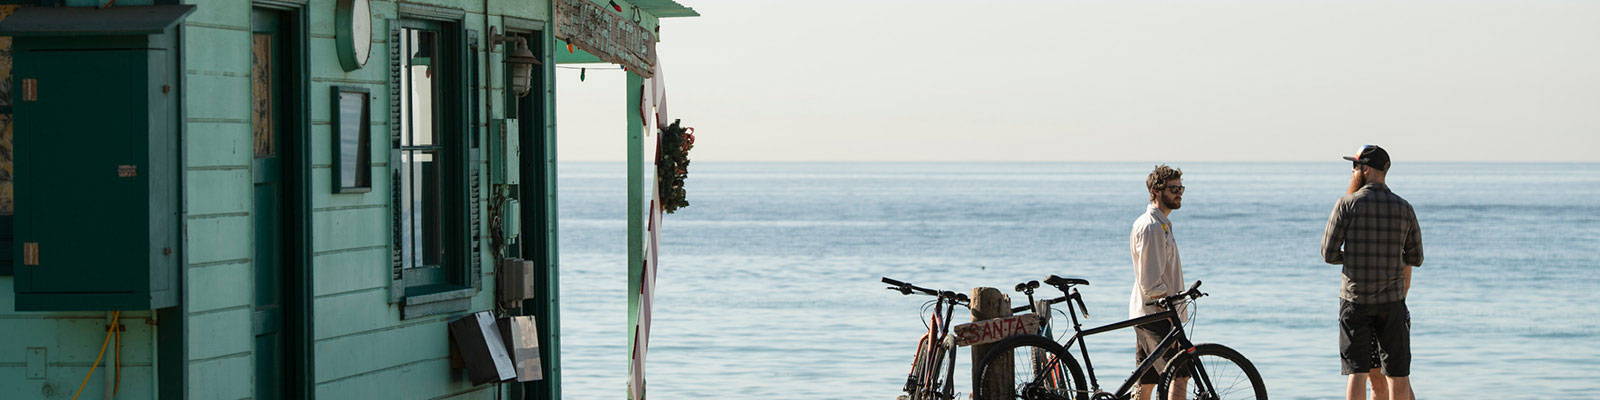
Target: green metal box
(96,171)
(504,149)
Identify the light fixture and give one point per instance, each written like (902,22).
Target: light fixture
(519,58)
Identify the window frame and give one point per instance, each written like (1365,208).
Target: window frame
(424,291)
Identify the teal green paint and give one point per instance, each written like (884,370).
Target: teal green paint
(215,145)
(576,56)
(230,377)
(227,191)
(347,248)
(131,156)
(347,271)
(224,331)
(217,287)
(348,228)
(540,225)
(348,356)
(216,238)
(638,199)
(222,92)
(353,313)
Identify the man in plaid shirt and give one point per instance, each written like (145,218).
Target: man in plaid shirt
(1374,234)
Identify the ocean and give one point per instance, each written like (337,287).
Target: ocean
(768,286)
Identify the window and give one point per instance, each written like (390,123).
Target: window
(430,159)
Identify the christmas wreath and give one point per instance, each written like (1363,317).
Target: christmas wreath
(672,165)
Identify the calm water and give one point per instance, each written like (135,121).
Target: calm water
(769,282)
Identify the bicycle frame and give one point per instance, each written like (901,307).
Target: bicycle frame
(939,331)
(1176,339)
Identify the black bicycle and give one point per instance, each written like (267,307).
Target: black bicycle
(1042,369)
(936,350)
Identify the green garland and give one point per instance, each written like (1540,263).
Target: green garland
(672,165)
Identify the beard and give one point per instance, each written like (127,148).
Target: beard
(1171,202)
(1356,182)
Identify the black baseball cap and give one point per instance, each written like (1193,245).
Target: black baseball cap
(1372,156)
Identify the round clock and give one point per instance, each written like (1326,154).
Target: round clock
(353,22)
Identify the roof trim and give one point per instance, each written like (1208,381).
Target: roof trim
(81,21)
(665,8)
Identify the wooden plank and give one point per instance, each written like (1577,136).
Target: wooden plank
(220,333)
(993,330)
(60,382)
(990,303)
(218,239)
(219,97)
(352,355)
(215,15)
(349,228)
(220,286)
(225,191)
(418,380)
(348,271)
(322,196)
(607,34)
(376,70)
(344,314)
(209,48)
(222,378)
(216,144)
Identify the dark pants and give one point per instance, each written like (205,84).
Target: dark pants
(1386,326)
(1147,337)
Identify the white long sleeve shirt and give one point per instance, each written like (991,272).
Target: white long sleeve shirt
(1157,272)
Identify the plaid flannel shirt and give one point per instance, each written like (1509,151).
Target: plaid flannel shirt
(1374,234)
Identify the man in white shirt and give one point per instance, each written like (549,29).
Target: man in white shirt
(1157,272)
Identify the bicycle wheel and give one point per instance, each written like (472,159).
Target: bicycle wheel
(1040,369)
(923,383)
(1216,372)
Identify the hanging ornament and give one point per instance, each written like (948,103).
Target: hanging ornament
(615,6)
(582,74)
(569,48)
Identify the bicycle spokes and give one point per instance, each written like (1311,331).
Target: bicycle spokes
(1213,378)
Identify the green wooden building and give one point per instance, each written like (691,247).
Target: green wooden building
(230,199)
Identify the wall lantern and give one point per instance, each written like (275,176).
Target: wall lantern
(519,58)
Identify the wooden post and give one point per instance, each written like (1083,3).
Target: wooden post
(990,303)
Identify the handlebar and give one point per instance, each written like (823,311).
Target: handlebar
(907,289)
(1193,292)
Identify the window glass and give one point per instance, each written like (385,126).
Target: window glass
(424,157)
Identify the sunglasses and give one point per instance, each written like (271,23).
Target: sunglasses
(1175,189)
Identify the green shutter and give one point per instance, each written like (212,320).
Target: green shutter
(475,165)
(397,282)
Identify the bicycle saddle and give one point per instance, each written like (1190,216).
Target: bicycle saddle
(1059,281)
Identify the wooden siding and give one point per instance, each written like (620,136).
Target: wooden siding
(362,348)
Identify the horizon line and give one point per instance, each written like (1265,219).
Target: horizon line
(1103,161)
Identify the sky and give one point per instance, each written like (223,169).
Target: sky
(1114,80)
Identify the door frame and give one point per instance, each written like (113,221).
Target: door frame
(299,361)
(537,168)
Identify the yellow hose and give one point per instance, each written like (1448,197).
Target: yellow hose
(109,330)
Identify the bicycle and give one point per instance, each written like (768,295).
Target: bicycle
(1044,370)
(936,350)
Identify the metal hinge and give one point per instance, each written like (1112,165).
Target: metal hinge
(30,89)
(30,253)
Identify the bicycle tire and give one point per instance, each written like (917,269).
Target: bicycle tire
(1041,380)
(926,367)
(1225,369)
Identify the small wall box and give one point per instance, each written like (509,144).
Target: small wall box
(96,162)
